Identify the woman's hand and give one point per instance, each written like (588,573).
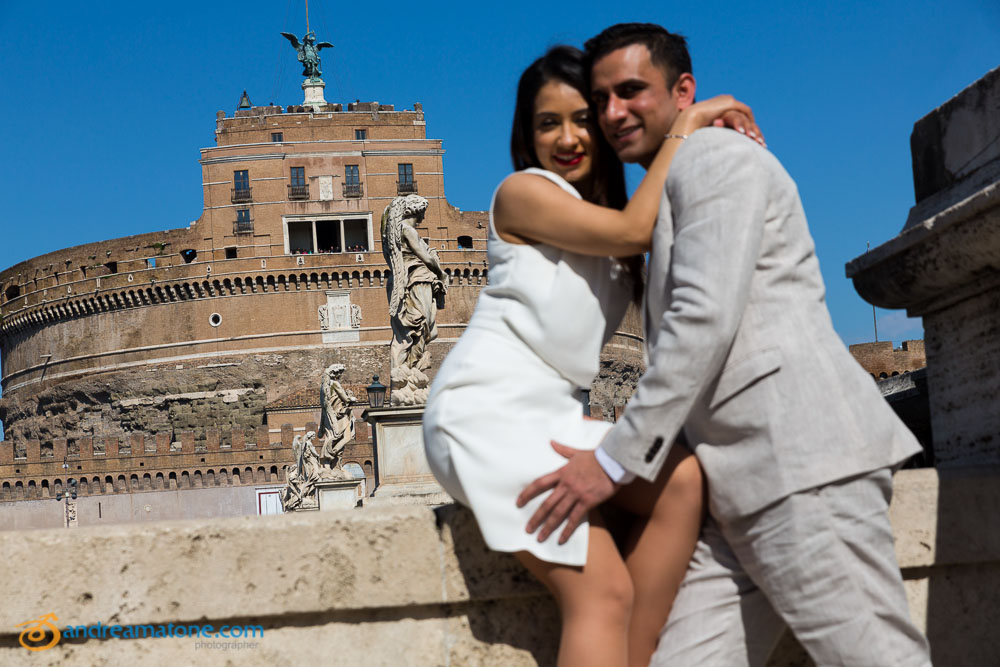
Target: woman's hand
(720,111)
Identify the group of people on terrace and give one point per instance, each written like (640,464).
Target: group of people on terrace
(356,247)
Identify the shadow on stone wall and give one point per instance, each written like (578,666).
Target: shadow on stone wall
(521,613)
(962,601)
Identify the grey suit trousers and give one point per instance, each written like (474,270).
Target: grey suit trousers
(821,562)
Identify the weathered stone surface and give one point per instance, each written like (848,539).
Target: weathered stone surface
(951,240)
(408,586)
(964,377)
(945,267)
(947,257)
(956,142)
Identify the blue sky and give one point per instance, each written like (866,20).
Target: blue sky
(105,105)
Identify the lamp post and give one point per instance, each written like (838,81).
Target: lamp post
(71,493)
(376,393)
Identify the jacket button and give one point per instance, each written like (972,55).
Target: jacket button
(652,451)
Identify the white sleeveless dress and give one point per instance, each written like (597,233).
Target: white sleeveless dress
(512,383)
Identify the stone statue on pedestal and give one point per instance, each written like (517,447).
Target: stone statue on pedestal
(337,424)
(416,290)
(301,476)
(311,468)
(308,53)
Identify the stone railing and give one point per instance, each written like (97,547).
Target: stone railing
(411,586)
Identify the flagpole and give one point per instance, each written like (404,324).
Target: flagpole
(868,246)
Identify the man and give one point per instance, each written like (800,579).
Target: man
(794,439)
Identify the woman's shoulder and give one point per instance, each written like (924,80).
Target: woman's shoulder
(531,185)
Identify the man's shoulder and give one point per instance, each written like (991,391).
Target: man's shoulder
(714,152)
(707,141)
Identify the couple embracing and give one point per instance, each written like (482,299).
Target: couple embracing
(755,452)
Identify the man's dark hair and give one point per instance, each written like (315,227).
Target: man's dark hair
(667,50)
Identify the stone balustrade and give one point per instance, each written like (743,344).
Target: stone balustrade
(406,585)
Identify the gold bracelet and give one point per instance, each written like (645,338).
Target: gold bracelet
(675,136)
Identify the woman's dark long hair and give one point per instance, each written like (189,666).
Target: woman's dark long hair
(566,64)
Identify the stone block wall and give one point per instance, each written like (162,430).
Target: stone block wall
(881,360)
(410,586)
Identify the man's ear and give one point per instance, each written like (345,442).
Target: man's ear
(683,90)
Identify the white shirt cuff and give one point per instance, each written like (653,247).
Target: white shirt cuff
(617,473)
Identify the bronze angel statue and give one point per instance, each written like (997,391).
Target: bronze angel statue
(308,51)
(416,290)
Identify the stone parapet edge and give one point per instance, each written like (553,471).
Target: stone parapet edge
(373,559)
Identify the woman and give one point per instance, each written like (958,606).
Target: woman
(511,383)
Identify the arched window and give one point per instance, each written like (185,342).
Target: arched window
(465,243)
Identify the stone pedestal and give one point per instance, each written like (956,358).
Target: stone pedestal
(340,494)
(402,476)
(945,267)
(313,89)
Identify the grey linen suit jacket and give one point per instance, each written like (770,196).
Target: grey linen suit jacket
(741,351)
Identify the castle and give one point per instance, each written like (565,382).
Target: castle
(190,358)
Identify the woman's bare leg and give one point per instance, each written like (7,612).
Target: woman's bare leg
(595,601)
(670,513)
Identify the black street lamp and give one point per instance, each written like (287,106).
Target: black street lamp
(376,393)
(68,494)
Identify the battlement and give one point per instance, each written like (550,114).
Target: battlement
(881,360)
(135,462)
(360,122)
(335,107)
